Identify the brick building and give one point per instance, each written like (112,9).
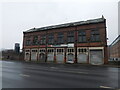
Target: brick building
(114,50)
(77,42)
(11,54)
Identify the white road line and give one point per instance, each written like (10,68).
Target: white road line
(83,72)
(9,62)
(56,69)
(72,71)
(76,72)
(105,87)
(24,75)
(53,68)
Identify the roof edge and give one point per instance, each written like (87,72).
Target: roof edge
(90,21)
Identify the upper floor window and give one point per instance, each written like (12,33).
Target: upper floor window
(35,40)
(70,37)
(43,40)
(28,43)
(95,36)
(81,36)
(60,38)
(51,39)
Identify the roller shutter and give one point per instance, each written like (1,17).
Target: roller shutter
(96,57)
(82,58)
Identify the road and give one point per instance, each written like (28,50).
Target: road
(31,75)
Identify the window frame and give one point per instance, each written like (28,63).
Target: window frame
(35,40)
(60,38)
(43,40)
(71,37)
(28,43)
(82,36)
(95,34)
(51,38)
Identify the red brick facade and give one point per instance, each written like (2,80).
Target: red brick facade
(114,49)
(87,28)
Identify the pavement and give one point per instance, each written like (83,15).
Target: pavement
(17,74)
(77,64)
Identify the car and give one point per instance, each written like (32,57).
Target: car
(70,61)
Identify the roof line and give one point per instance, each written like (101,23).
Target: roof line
(91,21)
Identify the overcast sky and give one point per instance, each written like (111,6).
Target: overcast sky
(20,16)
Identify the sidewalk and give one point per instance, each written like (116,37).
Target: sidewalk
(65,64)
(75,64)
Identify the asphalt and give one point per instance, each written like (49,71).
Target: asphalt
(17,74)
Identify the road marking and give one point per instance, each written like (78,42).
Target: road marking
(77,72)
(24,75)
(105,87)
(73,72)
(83,72)
(53,67)
(8,62)
(56,69)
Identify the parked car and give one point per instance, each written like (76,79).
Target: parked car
(70,61)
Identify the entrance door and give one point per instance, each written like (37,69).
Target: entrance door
(70,55)
(34,56)
(96,57)
(27,56)
(42,57)
(70,58)
(60,55)
(82,55)
(50,55)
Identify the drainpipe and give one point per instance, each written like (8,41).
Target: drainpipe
(75,45)
(46,48)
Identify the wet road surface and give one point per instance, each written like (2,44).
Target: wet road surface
(31,75)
